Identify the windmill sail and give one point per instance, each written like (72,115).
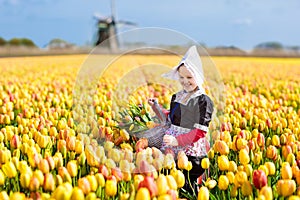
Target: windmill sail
(107,29)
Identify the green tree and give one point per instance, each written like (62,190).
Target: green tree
(269,45)
(59,43)
(27,42)
(14,42)
(2,41)
(21,42)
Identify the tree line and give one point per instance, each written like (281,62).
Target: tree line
(59,43)
(17,42)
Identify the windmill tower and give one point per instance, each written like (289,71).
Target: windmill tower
(107,29)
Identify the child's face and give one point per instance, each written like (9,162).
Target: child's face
(186,79)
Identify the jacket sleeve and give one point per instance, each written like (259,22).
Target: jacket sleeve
(190,137)
(205,111)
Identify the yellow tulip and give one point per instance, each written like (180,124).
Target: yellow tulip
(264,168)
(137,179)
(125,196)
(266,191)
(247,188)
(223,182)
(93,182)
(91,196)
(230,176)
(276,140)
(124,134)
(283,139)
(143,194)
(71,143)
(182,161)
(4,195)
(77,194)
(241,143)
(164,197)
(223,163)
(257,158)
(44,166)
(72,168)
(78,147)
(210,183)
(205,163)
(110,188)
(286,187)
(100,179)
(211,154)
(294,197)
(84,185)
(171,182)
(34,184)
(221,147)
(49,182)
(127,176)
(272,152)
(232,166)
(162,184)
(248,169)
(271,168)
(17,196)
(203,193)
(286,171)
(240,177)
(189,166)
(25,180)
(9,169)
(244,157)
(291,159)
(63,192)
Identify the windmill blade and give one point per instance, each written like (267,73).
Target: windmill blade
(113,9)
(128,23)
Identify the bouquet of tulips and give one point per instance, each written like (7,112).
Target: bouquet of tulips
(136,119)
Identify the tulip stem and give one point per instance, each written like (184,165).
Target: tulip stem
(206,176)
(188,174)
(79,173)
(43,152)
(74,181)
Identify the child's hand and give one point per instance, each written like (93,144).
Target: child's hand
(152,101)
(170,140)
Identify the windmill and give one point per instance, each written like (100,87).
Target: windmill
(107,29)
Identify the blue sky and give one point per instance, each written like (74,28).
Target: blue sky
(242,23)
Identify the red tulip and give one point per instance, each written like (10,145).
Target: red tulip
(251,145)
(117,173)
(150,184)
(259,179)
(261,140)
(15,142)
(103,170)
(144,167)
(141,144)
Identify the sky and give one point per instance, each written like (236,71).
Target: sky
(240,23)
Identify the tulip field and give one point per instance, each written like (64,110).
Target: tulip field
(46,154)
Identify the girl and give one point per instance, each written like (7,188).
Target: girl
(190,114)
